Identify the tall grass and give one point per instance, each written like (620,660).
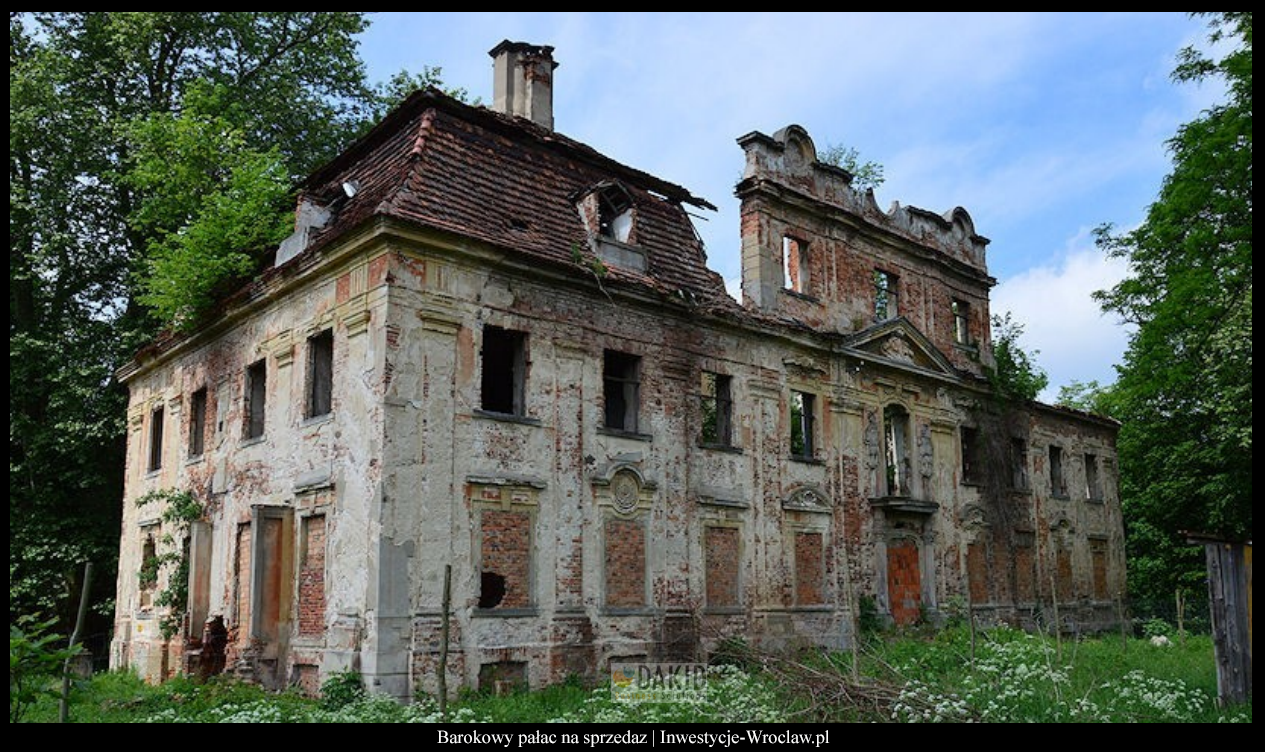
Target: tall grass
(1012,677)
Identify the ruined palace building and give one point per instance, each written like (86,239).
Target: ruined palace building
(489,346)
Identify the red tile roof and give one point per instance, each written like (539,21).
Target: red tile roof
(504,180)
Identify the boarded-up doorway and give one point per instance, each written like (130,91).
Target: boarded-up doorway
(904,582)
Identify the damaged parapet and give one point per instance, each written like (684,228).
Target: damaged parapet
(788,158)
(523,81)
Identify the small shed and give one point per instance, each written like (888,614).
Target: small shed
(1230,601)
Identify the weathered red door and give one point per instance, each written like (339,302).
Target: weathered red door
(904,583)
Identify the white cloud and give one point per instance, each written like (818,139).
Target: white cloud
(1077,341)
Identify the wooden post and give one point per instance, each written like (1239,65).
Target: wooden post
(1058,624)
(63,712)
(443,644)
(1180,596)
(1124,631)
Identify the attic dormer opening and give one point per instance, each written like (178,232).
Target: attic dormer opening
(614,213)
(610,216)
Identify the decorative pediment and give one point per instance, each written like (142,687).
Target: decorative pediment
(897,342)
(807,499)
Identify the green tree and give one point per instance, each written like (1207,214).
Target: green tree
(1184,394)
(1016,377)
(149,154)
(1087,396)
(866,174)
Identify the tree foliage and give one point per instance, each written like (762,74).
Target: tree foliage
(866,174)
(1016,376)
(1087,396)
(1185,389)
(151,156)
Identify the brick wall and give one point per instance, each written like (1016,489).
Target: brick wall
(720,549)
(1063,574)
(809,567)
(312,578)
(977,572)
(1024,590)
(507,552)
(625,564)
(243,582)
(1098,564)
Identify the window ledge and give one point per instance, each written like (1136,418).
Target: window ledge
(813,608)
(968,348)
(727,448)
(628,611)
(317,420)
(807,460)
(1099,500)
(522,420)
(153,472)
(801,295)
(252,442)
(723,611)
(974,483)
(624,434)
(1060,497)
(505,613)
(194,459)
(1019,491)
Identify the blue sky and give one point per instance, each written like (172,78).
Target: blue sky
(1042,125)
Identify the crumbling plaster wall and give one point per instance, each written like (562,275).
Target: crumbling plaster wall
(324,465)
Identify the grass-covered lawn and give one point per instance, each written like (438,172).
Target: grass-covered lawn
(1012,677)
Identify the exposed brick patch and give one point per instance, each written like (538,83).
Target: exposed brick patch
(720,549)
(809,569)
(506,554)
(1098,565)
(308,679)
(904,582)
(243,582)
(312,578)
(977,572)
(1025,592)
(1063,574)
(625,564)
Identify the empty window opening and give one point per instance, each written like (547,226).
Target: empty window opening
(320,363)
(1093,486)
(615,215)
(972,456)
(197,423)
(491,589)
(896,450)
(717,409)
(961,322)
(148,575)
(884,296)
(1058,484)
(802,439)
(256,399)
(504,365)
(621,381)
(794,264)
(156,440)
(1019,464)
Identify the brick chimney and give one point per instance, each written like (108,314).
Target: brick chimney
(522,81)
